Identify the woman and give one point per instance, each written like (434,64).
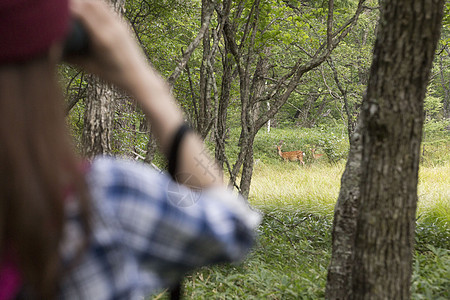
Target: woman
(111,229)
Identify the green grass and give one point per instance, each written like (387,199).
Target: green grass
(434,192)
(433,211)
(292,253)
(288,262)
(313,188)
(431,274)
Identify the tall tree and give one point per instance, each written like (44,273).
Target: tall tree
(252,55)
(205,110)
(225,88)
(373,232)
(445,85)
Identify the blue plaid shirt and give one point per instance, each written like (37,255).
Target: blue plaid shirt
(148,231)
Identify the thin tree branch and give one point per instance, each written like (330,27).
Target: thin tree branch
(330,23)
(194,44)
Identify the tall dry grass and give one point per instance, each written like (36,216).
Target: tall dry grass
(434,192)
(315,187)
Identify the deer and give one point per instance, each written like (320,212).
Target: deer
(291,155)
(314,155)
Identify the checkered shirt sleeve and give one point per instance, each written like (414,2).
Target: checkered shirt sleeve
(148,231)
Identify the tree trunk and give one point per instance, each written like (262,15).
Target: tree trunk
(350,123)
(151,147)
(247,169)
(224,100)
(251,109)
(227,79)
(446,87)
(205,81)
(98,119)
(339,279)
(391,130)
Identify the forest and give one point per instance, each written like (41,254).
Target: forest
(309,76)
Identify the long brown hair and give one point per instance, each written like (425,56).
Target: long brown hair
(38,166)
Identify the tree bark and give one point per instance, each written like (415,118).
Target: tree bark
(151,148)
(205,105)
(98,119)
(339,278)
(247,168)
(252,113)
(377,261)
(224,100)
(350,123)
(446,87)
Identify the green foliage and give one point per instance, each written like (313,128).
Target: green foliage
(164,29)
(431,274)
(290,261)
(75,87)
(432,230)
(128,137)
(436,142)
(331,141)
(291,29)
(437,129)
(446,18)
(432,106)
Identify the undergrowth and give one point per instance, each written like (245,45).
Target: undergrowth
(290,259)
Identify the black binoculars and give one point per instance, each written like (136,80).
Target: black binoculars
(77,41)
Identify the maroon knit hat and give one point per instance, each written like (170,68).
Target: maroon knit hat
(29,27)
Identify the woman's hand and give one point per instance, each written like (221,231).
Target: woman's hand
(114,54)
